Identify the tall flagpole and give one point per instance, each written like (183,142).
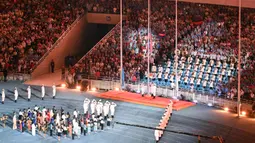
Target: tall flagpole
(148,49)
(239,61)
(176,53)
(121,60)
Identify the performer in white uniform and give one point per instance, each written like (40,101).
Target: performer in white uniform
(16,94)
(86,105)
(112,109)
(43,91)
(3,96)
(28,93)
(171,107)
(106,109)
(98,108)
(93,106)
(153,90)
(75,113)
(33,129)
(14,126)
(54,90)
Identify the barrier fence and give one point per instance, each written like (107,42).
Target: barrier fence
(106,83)
(16,76)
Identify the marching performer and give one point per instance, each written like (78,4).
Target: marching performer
(54,90)
(86,105)
(43,91)
(75,113)
(33,129)
(3,96)
(112,108)
(16,94)
(14,126)
(171,107)
(28,93)
(153,90)
(93,106)
(98,108)
(106,109)
(142,89)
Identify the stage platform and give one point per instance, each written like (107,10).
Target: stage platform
(160,102)
(47,79)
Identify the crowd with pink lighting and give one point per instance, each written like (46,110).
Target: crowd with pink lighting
(207,48)
(29,29)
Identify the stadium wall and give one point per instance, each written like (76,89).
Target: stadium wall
(104,18)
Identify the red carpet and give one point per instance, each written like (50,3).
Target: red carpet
(146,100)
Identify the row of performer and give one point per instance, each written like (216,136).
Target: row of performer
(29,93)
(60,123)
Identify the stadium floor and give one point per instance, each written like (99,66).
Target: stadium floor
(198,119)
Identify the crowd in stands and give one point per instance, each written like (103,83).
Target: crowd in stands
(207,36)
(29,28)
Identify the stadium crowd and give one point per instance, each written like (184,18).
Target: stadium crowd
(29,28)
(207,35)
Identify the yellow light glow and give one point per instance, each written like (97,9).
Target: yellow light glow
(78,87)
(63,85)
(93,89)
(117,89)
(243,113)
(226,109)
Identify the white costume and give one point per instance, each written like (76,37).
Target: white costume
(156,134)
(16,94)
(112,108)
(153,89)
(99,107)
(58,119)
(43,91)
(3,96)
(171,107)
(28,93)
(14,120)
(33,130)
(86,105)
(54,90)
(93,106)
(75,113)
(106,108)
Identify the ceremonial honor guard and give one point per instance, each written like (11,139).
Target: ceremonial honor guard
(28,93)
(16,94)
(43,92)
(112,108)
(3,96)
(14,120)
(54,90)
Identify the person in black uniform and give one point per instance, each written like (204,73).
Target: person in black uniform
(52,65)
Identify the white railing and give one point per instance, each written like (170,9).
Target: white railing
(62,37)
(170,93)
(105,37)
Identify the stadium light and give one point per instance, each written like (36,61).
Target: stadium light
(63,85)
(226,109)
(195,101)
(117,89)
(78,87)
(243,113)
(93,89)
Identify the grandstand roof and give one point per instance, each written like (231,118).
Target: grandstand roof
(245,3)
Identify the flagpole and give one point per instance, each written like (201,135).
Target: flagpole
(239,61)
(176,53)
(148,49)
(121,60)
